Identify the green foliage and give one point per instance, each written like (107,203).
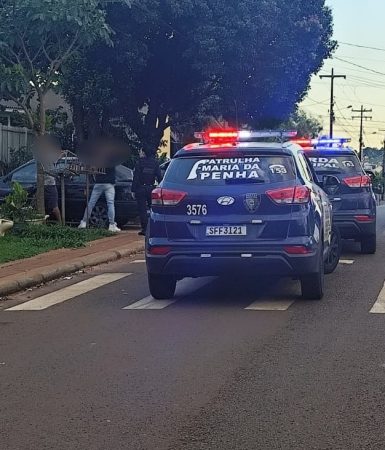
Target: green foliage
(304,124)
(184,63)
(36,38)
(19,157)
(34,239)
(17,207)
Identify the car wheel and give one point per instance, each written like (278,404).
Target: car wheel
(334,253)
(99,217)
(369,245)
(312,285)
(162,287)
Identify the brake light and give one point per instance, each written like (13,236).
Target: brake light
(289,196)
(358,182)
(364,218)
(166,197)
(159,250)
(297,249)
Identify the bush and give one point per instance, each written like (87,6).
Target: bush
(17,207)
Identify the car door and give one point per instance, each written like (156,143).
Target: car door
(322,199)
(26,176)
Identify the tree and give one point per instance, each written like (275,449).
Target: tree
(304,124)
(36,38)
(181,63)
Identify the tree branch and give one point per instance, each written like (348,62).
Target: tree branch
(24,107)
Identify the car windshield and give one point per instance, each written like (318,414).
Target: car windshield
(224,170)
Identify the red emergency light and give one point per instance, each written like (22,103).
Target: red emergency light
(230,136)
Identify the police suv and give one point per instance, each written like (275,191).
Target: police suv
(232,205)
(348,186)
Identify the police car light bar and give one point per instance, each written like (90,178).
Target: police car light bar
(320,142)
(233,136)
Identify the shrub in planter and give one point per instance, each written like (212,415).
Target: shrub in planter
(16,207)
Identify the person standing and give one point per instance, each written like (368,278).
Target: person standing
(51,197)
(104,184)
(49,156)
(147,172)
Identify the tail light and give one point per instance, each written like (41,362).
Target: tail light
(364,218)
(159,250)
(166,197)
(358,182)
(289,196)
(297,250)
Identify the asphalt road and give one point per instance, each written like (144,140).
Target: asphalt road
(201,373)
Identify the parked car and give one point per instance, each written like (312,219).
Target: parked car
(75,194)
(350,191)
(227,207)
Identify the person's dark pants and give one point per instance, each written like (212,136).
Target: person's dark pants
(143,199)
(51,198)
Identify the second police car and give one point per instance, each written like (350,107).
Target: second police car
(348,186)
(233,205)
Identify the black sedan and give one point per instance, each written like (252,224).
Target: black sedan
(75,195)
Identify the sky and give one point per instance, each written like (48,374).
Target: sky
(361,23)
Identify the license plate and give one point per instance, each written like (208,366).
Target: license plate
(226,230)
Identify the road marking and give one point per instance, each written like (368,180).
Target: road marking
(69,292)
(270,305)
(347,262)
(151,303)
(138,261)
(184,288)
(379,306)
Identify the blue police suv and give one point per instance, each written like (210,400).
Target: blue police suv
(233,205)
(349,189)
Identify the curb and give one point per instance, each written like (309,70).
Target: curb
(32,278)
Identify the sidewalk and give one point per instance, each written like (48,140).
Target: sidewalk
(26,273)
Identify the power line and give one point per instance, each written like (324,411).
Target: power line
(358,65)
(362,46)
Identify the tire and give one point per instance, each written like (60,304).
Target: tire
(99,217)
(369,245)
(312,285)
(334,253)
(162,287)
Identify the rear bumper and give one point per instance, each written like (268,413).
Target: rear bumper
(200,262)
(350,228)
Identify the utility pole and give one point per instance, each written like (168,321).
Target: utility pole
(362,117)
(332,116)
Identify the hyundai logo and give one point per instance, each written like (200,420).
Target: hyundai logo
(226,201)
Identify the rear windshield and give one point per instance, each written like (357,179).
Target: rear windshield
(337,164)
(218,170)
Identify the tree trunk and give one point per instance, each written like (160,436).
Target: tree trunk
(40,204)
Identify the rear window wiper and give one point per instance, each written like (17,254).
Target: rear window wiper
(245,181)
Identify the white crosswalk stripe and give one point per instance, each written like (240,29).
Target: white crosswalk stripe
(150,303)
(270,305)
(347,262)
(69,292)
(379,306)
(138,261)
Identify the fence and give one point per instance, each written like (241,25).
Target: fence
(12,138)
